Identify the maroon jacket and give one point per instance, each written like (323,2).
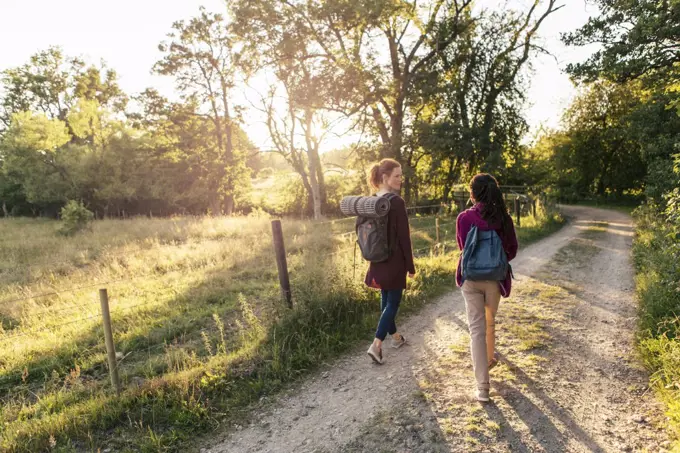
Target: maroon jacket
(473,216)
(391,274)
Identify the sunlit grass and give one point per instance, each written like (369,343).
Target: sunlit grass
(198,322)
(656,250)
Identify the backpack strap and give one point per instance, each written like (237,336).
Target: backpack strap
(472,238)
(390,196)
(356,203)
(470,244)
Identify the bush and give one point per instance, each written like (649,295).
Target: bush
(294,199)
(265,173)
(75,217)
(339,186)
(656,254)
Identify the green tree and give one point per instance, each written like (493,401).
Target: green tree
(33,157)
(468,113)
(181,156)
(51,83)
(380,60)
(294,106)
(599,154)
(370,53)
(640,41)
(202,57)
(638,38)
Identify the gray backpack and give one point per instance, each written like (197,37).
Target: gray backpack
(483,256)
(373,236)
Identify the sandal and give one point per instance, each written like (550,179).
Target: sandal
(376,354)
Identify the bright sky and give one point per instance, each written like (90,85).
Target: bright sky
(551,90)
(126,33)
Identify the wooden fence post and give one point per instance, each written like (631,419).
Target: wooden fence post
(108,337)
(281,263)
(518,210)
(533,206)
(436,221)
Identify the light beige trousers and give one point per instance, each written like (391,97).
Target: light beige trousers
(481,303)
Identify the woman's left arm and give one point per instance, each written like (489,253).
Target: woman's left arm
(511,244)
(404,236)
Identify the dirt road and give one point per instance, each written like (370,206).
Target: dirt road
(568,382)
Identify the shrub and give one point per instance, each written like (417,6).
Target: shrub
(75,217)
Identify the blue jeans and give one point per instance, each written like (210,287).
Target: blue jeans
(391,298)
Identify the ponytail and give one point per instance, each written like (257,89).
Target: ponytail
(374,179)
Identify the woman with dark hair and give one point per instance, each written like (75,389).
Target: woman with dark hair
(390,276)
(483,297)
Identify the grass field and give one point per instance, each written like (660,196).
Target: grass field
(199,326)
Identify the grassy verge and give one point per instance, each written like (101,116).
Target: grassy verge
(197,320)
(657,261)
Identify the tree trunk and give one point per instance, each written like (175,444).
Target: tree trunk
(229,160)
(323,192)
(314,183)
(314,163)
(299,167)
(229,205)
(408,179)
(449,179)
(216,204)
(316,192)
(382,130)
(316,198)
(485,145)
(396,126)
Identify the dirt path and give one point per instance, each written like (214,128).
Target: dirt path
(568,381)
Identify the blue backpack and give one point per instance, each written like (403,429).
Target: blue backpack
(483,256)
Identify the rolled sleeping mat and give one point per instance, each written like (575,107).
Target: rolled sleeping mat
(373,207)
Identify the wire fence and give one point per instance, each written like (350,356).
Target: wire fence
(58,292)
(27,372)
(82,306)
(89,312)
(90,254)
(153,276)
(51,328)
(74,289)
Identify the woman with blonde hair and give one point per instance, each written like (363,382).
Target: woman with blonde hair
(390,276)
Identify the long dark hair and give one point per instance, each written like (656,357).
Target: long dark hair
(485,190)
